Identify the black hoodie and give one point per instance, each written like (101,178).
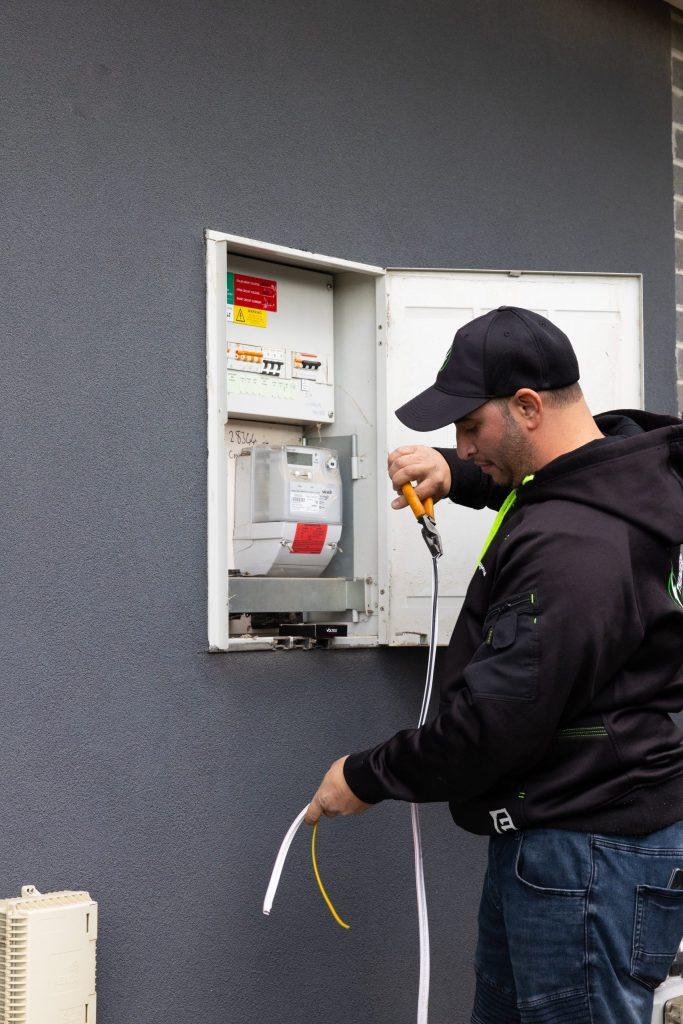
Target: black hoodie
(567,657)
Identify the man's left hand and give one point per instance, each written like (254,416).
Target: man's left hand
(334,796)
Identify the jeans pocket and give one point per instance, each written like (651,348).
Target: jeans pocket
(657,933)
(552,865)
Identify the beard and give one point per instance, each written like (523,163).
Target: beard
(516,455)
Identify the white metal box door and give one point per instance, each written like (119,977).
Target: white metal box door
(601,314)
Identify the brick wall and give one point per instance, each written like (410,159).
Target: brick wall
(677,140)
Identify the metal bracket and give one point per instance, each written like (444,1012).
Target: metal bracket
(295,594)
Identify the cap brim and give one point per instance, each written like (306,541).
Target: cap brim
(434,408)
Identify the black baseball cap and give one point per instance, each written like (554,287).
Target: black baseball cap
(492,357)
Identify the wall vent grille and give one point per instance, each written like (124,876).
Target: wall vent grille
(47,958)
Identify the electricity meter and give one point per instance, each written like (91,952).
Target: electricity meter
(288,510)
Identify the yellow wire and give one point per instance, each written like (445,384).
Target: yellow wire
(318,879)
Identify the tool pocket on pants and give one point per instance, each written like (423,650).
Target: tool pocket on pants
(657,933)
(505,665)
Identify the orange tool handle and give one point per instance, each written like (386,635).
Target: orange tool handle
(418,508)
(413,500)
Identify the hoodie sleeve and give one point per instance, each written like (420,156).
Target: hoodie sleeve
(562,619)
(470,485)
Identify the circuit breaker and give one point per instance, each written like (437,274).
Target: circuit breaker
(288,510)
(279,341)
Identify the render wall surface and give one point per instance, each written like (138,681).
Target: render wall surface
(677,141)
(534,136)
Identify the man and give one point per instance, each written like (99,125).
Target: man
(553,734)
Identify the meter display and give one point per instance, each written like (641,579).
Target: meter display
(299,458)
(288,510)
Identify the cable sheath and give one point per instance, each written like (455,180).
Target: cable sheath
(422,916)
(280,861)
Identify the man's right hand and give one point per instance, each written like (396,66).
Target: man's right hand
(424,465)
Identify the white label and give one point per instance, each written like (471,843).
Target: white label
(229,313)
(240,383)
(308,498)
(304,503)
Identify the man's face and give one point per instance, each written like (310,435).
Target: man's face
(496,443)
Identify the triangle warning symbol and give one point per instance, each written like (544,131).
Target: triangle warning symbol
(240,318)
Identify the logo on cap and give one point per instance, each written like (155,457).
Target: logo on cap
(448,356)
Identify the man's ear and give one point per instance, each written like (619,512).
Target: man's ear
(529,406)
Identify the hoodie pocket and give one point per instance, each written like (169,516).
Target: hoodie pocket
(505,665)
(657,933)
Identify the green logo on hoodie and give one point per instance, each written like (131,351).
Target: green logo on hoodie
(675,585)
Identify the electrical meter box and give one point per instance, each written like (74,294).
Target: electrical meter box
(308,356)
(288,510)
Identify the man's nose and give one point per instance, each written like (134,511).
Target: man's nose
(463,447)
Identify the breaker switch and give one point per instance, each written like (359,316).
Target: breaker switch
(307,361)
(249,355)
(309,366)
(273,362)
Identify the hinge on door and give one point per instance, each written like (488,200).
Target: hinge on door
(515,273)
(355,467)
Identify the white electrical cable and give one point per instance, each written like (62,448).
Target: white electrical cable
(280,862)
(422,919)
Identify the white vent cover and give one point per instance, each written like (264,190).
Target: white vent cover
(47,958)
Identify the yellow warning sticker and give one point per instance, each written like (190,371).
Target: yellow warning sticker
(249,317)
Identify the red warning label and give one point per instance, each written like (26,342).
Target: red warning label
(309,538)
(255,292)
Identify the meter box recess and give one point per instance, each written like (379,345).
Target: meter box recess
(308,356)
(292,439)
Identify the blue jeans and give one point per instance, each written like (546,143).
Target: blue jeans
(576,927)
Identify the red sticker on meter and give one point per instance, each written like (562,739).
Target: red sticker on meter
(309,538)
(255,293)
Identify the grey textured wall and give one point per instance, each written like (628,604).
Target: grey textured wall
(443,133)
